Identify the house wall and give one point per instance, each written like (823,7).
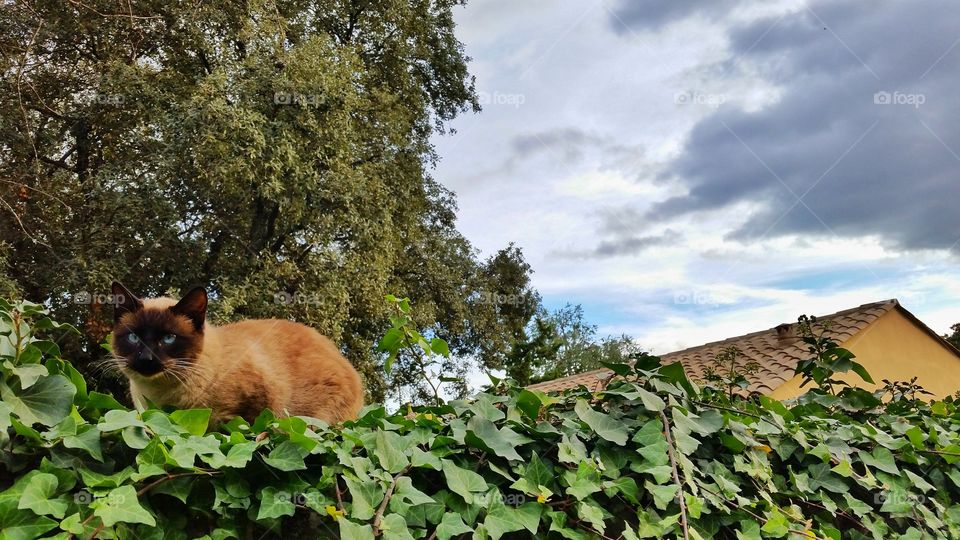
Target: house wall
(894,348)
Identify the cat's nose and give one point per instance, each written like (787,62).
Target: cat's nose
(145,355)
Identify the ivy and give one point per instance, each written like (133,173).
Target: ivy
(649,456)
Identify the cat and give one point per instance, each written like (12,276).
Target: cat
(172,356)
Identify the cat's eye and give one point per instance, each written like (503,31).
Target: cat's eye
(133,338)
(168,339)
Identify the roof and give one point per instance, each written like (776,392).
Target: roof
(777,357)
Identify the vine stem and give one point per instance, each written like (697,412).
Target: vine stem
(386,499)
(676,476)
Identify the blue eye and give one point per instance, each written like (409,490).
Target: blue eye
(133,338)
(169,339)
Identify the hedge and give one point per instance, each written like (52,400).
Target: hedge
(649,456)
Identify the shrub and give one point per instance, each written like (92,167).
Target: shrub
(646,457)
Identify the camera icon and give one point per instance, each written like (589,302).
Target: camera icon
(82,297)
(282,297)
(282,98)
(83,497)
(882,98)
(681,98)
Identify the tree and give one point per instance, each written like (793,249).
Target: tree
(562,343)
(277,152)
(954,338)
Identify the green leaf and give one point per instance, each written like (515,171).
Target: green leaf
(195,421)
(502,442)
(275,503)
(462,481)
(365,496)
(351,531)
(388,451)
(650,400)
(122,505)
(288,456)
(17,524)
(603,424)
(394,527)
(116,420)
(503,519)
(87,439)
(777,524)
(30,373)
(37,496)
(240,454)
(450,526)
(47,402)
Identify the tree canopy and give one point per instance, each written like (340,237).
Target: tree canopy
(278,152)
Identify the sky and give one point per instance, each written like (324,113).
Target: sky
(691,171)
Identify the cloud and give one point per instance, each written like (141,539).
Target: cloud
(625,245)
(862,140)
(654,14)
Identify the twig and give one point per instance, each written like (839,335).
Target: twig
(676,476)
(728,409)
(336,483)
(386,499)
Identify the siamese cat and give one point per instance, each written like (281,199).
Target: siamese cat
(173,356)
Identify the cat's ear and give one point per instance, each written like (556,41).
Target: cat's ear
(123,301)
(193,306)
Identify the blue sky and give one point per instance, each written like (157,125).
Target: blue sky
(690,171)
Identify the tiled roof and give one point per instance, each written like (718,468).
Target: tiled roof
(776,357)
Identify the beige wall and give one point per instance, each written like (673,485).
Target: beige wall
(894,348)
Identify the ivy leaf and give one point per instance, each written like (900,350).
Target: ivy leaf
(116,420)
(365,496)
(603,424)
(351,531)
(502,442)
(240,454)
(777,524)
(388,445)
(275,503)
(37,496)
(450,526)
(30,373)
(502,519)
(394,527)
(462,481)
(195,421)
(122,505)
(288,456)
(651,401)
(87,439)
(17,524)
(47,402)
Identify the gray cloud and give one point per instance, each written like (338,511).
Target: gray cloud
(626,245)
(861,168)
(628,15)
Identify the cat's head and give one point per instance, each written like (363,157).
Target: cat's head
(156,336)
